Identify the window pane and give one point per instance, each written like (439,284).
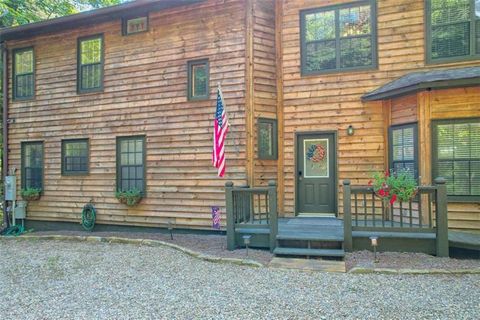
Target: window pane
(475,174)
(320,56)
(445,141)
(450,11)
(397,153)
(265,139)
(320,26)
(445,170)
(462,141)
(451,40)
(397,137)
(355,21)
(199,80)
(91,51)
(475,140)
(461,178)
(355,52)
(24,62)
(477,32)
(137,25)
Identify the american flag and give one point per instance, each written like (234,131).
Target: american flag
(215,217)
(220,129)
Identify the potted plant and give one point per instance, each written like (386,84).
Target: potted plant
(129,197)
(31,194)
(393,186)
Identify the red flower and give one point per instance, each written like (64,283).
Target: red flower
(393,199)
(387,173)
(382,193)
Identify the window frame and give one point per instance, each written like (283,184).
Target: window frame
(23,146)
(131,17)
(428,38)
(87,156)
(373,35)
(260,154)
(391,162)
(190,65)
(81,90)
(118,161)
(434,168)
(14,75)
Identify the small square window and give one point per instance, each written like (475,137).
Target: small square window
(75,157)
(134,25)
(198,80)
(267,139)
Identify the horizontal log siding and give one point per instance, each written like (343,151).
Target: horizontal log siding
(332,101)
(145,93)
(264,81)
(404,110)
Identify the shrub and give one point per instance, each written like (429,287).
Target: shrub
(394,186)
(130,197)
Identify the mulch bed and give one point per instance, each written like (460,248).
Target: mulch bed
(216,245)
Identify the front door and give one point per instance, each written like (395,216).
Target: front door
(316,174)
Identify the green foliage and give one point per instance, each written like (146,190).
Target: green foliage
(130,197)
(30,194)
(394,186)
(18,12)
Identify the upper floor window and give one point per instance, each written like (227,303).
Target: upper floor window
(90,64)
(135,25)
(198,80)
(453,30)
(338,38)
(456,156)
(23,74)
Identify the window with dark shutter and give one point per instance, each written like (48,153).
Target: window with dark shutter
(90,64)
(341,37)
(23,74)
(403,148)
(131,163)
(32,165)
(456,156)
(453,29)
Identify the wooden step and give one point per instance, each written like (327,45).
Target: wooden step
(310,237)
(253,230)
(393,234)
(309,252)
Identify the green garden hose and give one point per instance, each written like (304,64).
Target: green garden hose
(13,231)
(88,217)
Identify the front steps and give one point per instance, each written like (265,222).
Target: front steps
(311,237)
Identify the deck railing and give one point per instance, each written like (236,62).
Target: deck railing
(427,212)
(251,207)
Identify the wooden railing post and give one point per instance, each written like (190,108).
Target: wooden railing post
(230,217)
(273,214)
(441,215)
(347,217)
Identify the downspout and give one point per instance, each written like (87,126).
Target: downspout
(4,53)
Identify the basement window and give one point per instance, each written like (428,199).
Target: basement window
(131,163)
(90,64)
(456,156)
(75,157)
(133,25)
(32,165)
(23,74)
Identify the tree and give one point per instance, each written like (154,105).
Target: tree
(17,12)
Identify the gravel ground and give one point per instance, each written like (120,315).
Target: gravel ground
(216,245)
(81,280)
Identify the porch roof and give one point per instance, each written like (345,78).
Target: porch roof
(89,18)
(416,81)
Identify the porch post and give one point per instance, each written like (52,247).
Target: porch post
(441,212)
(230,218)
(273,214)
(347,217)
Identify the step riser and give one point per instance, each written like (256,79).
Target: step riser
(310,244)
(337,253)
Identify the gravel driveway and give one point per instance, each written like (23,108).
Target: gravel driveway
(70,280)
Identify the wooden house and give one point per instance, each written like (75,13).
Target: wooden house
(125,96)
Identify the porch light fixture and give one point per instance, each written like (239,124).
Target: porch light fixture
(350,130)
(246,241)
(374,243)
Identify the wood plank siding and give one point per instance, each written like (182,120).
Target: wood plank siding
(145,93)
(333,101)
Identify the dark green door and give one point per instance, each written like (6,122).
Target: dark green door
(316,170)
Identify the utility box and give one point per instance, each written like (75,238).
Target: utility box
(21,210)
(10,188)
